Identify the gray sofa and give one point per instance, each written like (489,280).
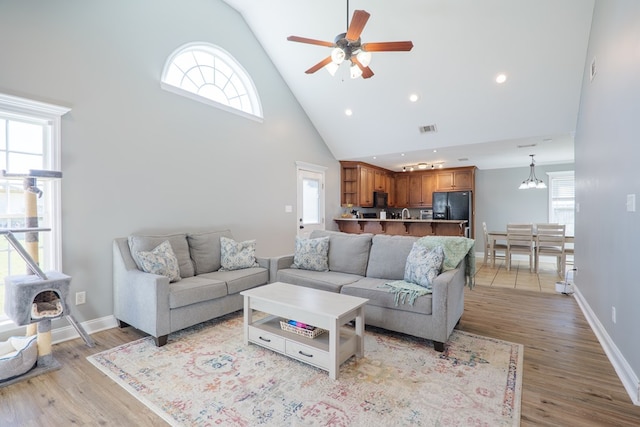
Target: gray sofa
(359,264)
(151,304)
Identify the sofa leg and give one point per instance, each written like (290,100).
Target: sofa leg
(438,346)
(122,324)
(161,340)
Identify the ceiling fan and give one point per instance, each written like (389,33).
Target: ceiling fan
(347,46)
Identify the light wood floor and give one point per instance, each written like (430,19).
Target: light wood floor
(567,379)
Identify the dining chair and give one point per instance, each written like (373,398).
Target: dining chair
(496,247)
(520,241)
(550,241)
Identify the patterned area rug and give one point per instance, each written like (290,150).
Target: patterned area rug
(206,376)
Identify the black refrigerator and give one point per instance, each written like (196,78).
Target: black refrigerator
(453,205)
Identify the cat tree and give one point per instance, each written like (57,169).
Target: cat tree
(34,299)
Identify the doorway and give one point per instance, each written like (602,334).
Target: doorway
(311,197)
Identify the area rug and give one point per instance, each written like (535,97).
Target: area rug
(207,376)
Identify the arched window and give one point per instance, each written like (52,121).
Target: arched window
(209,74)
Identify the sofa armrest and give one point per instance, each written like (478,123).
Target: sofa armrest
(140,299)
(448,299)
(279,263)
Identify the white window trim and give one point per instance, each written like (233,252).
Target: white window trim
(29,109)
(256,104)
(552,175)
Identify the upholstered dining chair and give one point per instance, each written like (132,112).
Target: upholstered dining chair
(520,241)
(502,247)
(550,241)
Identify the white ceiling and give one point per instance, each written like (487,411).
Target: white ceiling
(459,48)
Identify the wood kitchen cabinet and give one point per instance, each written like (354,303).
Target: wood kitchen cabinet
(455,180)
(421,188)
(402,190)
(367,185)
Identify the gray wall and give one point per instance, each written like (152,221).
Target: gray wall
(136,158)
(607,155)
(499,201)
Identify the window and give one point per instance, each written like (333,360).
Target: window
(209,74)
(29,139)
(562,199)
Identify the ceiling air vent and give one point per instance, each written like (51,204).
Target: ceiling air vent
(527,145)
(428,129)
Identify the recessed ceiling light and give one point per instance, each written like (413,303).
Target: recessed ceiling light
(374,157)
(348,112)
(413,97)
(435,151)
(402,155)
(501,78)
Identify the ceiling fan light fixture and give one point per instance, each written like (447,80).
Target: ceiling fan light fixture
(332,68)
(355,71)
(364,58)
(338,55)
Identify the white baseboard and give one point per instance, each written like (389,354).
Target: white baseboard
(623,369)
(96,325)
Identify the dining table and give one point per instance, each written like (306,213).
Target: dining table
(495,236)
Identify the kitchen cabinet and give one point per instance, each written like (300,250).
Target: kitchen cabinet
(455,180)
(402,191)
(349,180)
(367,184)
(421,188)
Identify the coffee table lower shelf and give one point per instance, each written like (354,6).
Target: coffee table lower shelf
(267,333)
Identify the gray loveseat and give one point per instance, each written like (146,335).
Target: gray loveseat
(359,264)
(151,304)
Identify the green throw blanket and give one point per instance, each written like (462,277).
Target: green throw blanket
(405,291)
(455,250)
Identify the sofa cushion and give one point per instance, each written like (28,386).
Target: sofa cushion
(205,250)
(311,254)
(240,280)
(423,265)
(160,260)
(323,280)
(178,243)
(195,289)
(371,288)
(348,253)
(237,255)
(388,256)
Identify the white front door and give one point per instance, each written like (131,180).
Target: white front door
(310,200)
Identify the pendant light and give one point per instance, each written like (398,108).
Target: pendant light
(532,181)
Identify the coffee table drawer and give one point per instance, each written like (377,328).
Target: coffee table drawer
(266,339)
(310,355)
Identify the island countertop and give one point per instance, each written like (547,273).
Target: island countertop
(407,226)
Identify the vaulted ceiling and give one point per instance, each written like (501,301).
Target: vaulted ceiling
(460,46)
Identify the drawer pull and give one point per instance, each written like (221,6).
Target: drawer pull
(305,354)
(265,339)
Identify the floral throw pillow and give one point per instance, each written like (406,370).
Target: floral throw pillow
(423,265)
(312,254)
(237,255)
(160,260)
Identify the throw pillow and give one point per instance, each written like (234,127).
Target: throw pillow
(423,265)
(312,254)
(237,255)
(160,260)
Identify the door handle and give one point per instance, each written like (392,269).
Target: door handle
(301,227)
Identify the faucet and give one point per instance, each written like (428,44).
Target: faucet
(408,214)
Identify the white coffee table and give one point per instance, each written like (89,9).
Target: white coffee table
(326,310)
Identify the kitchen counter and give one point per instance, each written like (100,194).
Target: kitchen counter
(413,227)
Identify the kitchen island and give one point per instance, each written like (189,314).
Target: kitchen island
(402,227)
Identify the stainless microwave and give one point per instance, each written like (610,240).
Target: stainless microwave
(380,199)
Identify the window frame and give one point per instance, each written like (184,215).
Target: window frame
(50,115)
(553,176)
(231,62)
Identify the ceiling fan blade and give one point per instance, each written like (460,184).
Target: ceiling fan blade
(366,71)
(387,46)
(319,65)
(358,21)
(310,41)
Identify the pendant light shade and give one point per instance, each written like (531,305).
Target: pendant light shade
(532,181)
